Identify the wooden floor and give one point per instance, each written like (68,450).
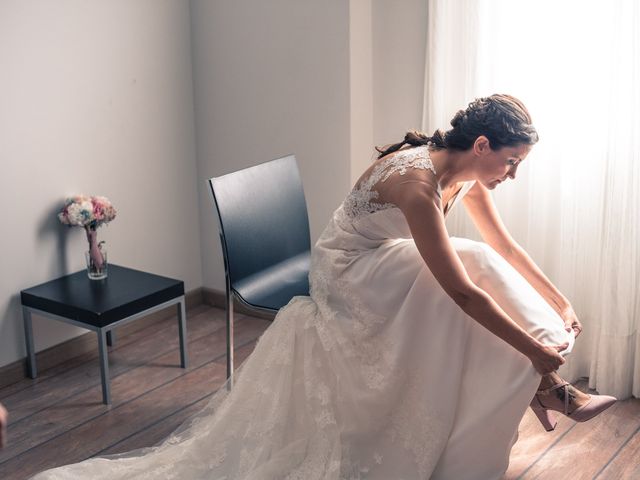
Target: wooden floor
(59,418)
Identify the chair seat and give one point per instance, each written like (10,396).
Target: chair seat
(273,287)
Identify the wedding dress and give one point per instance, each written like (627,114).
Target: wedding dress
(377,375)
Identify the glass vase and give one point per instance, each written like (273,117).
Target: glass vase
(96,262)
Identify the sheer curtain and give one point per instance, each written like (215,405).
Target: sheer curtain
(575,206)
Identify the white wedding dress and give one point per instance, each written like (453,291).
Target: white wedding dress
(377,375)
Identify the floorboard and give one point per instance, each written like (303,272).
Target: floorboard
(54,418)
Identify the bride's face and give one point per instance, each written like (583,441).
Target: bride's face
(495,166)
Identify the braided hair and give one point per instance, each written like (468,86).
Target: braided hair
(503,119)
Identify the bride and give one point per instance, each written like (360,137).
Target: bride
(415,355)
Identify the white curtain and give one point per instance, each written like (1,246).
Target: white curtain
(575,206)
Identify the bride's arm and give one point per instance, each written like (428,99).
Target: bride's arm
(421,207)
(482,210)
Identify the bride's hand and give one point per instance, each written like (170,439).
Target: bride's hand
(571,321)
(546,358)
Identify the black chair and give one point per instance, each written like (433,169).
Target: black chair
(264,233)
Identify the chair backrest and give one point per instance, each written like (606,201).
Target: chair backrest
(263,216)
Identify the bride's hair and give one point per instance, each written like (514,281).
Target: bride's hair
(503,119)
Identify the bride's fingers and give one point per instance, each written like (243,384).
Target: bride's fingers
(562,347)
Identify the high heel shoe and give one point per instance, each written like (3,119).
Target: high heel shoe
(595,405)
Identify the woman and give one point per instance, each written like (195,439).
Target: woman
(416,354)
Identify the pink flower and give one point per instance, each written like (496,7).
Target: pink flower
(88,212)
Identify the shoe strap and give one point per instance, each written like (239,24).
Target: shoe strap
(547,391)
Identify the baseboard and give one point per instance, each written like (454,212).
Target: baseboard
(62,352)
(216,298)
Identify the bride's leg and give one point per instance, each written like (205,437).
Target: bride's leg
(524,305)
(516,296)
(498,382)
(492,273)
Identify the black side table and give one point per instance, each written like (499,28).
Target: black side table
(102,305)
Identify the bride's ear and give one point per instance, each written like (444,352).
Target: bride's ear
(481,145)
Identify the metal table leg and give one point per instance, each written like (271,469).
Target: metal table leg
(103,337)
(182,327)
(104,367)
(28,337)
(111,338)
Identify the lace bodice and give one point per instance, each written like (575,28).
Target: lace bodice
(361,200)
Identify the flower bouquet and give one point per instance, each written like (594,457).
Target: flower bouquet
(90,213)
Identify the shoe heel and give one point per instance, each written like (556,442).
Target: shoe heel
(546,419)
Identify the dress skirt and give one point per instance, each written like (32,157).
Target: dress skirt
(377,375)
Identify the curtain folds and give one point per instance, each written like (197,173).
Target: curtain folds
(575,206)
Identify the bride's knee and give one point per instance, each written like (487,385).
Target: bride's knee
(472,252)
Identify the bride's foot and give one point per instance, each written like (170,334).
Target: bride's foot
(553,398)
(568,400)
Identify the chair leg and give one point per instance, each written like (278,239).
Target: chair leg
(229,311)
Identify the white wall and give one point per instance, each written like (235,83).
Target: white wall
(104,98)
(399,50)
(271,78)
(96,98)
(361,82)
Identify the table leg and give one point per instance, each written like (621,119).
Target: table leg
(104,367)
(111,337)
(182,325)
(28,336)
